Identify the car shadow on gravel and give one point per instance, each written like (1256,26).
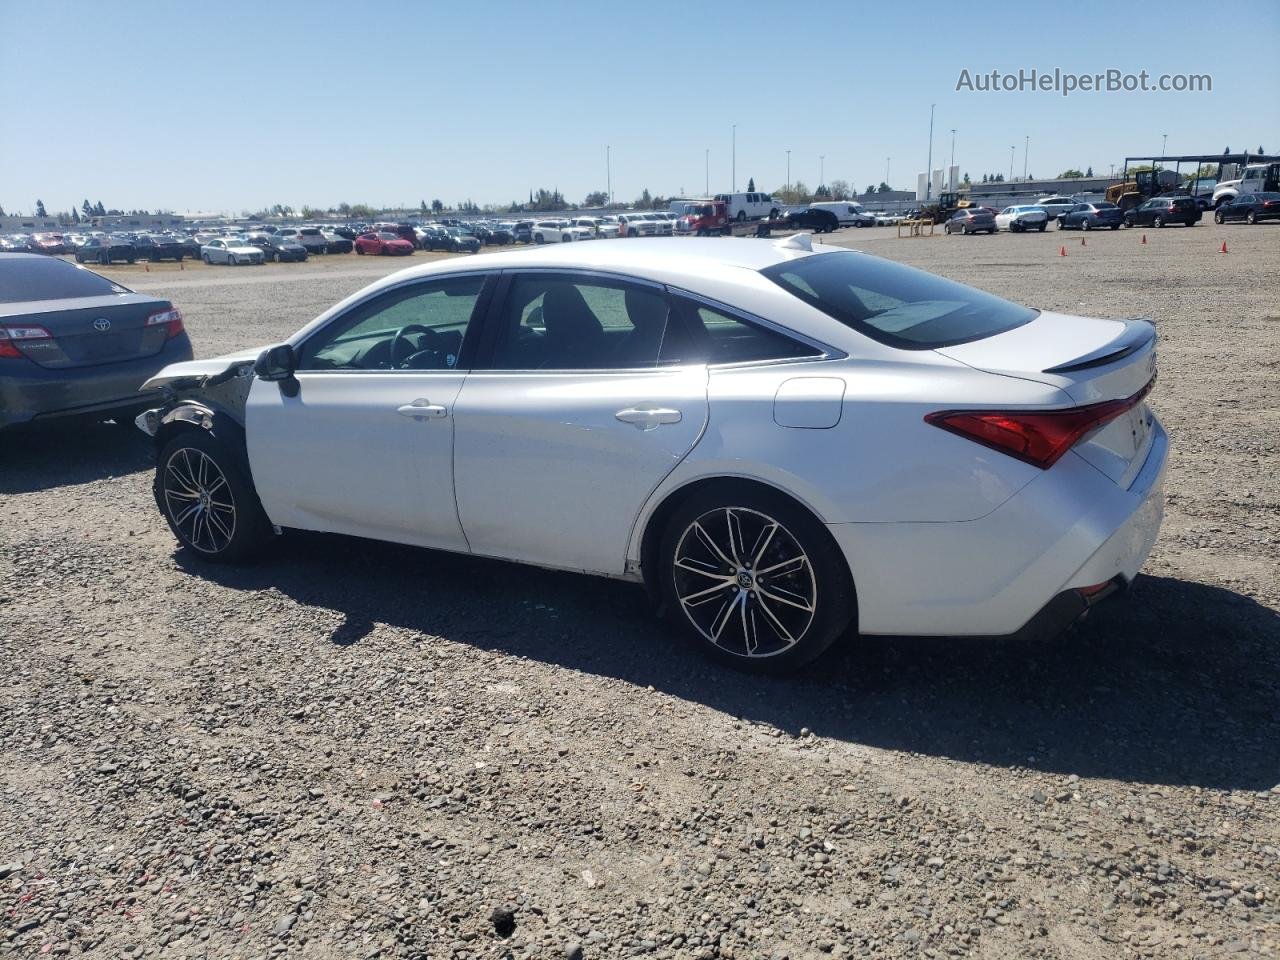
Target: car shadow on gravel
(1178,683)
(69,454)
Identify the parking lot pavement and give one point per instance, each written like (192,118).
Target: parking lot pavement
(354,749)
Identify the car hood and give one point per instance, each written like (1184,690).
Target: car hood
(194,373)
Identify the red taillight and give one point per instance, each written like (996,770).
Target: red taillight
(172,317)
(1037,437)
(9,336)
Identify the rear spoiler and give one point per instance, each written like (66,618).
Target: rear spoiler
(1138,332)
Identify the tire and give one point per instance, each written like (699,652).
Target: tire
(360,250)
(742,215)
(1218,218)
(1157,222)
(787,633)
(204,492)
(1115,226)
(537,238)
(1061,225)
(1251,218)
(946,228)
(1086,226)
(1042,226)
(205,258)
(103,259)
(232,261)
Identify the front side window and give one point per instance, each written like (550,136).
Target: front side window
(894,304)
(566,322)
(418,327)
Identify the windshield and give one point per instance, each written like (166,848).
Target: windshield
(896,305)
(24,281)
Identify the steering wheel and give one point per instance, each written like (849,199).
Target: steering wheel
(440,360)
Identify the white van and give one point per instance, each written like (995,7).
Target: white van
(749,206)
(849,214)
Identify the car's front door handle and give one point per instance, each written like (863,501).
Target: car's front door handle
(648,418)
(422,409)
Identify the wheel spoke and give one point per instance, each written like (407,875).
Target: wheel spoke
(762,543)
(708,571)
(783,568)
(689,598)
(734,524)
(710,543)
(785,596)
(724,615)
(777,624)
(749,637)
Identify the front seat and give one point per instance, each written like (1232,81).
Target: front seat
(575,337)
(647,312)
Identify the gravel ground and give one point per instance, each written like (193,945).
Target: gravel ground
(358,750)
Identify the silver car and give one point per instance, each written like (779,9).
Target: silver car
(230,251)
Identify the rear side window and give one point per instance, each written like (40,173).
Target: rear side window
(25,281)
(708,335)
(896,305)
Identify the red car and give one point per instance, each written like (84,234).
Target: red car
(383,243)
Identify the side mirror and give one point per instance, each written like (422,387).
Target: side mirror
(276,365)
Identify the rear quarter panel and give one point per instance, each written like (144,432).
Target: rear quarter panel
(880,461)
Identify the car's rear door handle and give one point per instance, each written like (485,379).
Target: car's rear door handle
(647,418)
(422,409)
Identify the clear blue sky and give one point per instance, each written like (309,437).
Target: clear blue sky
(235,104)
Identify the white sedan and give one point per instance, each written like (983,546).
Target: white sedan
(1020,219)
(560,231)
(231,252)
(784,441)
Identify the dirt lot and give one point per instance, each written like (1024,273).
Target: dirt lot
(358,750)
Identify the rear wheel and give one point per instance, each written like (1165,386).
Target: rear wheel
(1158,222)
(360,250)
(754,580)
(207,498)
(742,215)
(1218,217)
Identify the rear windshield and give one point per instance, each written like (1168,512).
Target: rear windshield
(896,305)
(25,281)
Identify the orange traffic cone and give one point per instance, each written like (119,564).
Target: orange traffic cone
(146,267)
(1144,239)
(1062,250)
(1083,242)
(181,265)
(1224,246)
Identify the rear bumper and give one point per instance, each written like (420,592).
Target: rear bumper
(1070,528)
(31,393)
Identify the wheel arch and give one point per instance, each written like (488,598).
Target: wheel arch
(192,415)
(655,522)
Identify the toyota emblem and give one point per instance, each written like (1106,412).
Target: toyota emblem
(102,324)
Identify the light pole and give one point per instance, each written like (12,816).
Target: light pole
(788,174)
(822,169)
(1025,147)
(1164,138)
(886,168)
(953,158)
(735,158)
(1012,150)
(928,173)
(608,173)
(707,187)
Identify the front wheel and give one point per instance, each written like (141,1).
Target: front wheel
(207,498)
(1218,218)
(1041,227)
(360,250)
(754,580)
(1251,218)
(1087,225)
(1158,222)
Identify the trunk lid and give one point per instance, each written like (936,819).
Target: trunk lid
(88,331)
(1091,361)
